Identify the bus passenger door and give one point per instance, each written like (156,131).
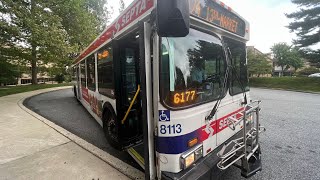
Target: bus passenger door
(127,89)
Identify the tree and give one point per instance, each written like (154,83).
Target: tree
(122,6)
(39,32)
(8,73)
(306,26)
(295,59)
(281,53)
(258,64)
(309,70)
(306,22)
(286,56)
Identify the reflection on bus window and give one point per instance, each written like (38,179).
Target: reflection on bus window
(239,73)
(199,67)
(83,74)
(91,73)
(130,73)
(105,71)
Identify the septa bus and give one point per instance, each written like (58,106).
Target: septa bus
(168,83)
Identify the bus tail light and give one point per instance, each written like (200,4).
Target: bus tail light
(191,156)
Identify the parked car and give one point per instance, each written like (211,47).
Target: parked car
(314,75)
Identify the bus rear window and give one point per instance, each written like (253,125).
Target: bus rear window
(192,69)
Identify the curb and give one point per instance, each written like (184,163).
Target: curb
(116,163)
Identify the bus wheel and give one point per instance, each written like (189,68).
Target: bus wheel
(110,129)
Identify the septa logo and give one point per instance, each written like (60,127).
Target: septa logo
(164,115)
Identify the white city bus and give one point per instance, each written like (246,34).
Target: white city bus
(167,81)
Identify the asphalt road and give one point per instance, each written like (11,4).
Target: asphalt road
(290,146)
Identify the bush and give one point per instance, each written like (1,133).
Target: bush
(308,71)
(67,78)
(59,78)
(289,83)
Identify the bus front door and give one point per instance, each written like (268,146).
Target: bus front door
(127,93)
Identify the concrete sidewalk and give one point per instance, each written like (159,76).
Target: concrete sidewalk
(30,149)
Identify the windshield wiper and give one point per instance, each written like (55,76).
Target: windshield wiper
(225,82)
(238,79)
(229,65)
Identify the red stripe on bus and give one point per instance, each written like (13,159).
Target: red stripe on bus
(136,9)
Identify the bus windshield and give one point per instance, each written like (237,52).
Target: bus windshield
(192,69)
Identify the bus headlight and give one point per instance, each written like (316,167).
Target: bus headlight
(191,156)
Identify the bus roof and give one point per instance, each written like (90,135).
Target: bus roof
(214,12)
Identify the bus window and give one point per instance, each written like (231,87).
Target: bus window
(83,74)
(194,72)
(239,64)
(91,73)
(105,71)
(130,73)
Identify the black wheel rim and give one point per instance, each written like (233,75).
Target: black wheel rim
(112,129)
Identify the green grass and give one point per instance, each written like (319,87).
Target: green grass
(288,83)
(7,90)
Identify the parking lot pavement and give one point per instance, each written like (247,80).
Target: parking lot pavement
(30,149)
(290,146)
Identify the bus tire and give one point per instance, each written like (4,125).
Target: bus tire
(110,128)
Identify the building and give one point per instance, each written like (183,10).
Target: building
(269,58)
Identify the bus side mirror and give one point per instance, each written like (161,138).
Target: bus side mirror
(173,18)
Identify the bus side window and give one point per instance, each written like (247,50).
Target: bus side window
(105,71)
(83,74)
(91,74)
(130,73)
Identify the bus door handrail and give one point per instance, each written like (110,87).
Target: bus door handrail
(131,104)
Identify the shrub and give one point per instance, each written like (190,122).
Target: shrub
(308,71)
(59,78)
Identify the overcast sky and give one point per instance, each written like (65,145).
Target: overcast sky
(266,17)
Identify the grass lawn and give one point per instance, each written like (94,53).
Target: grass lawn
(7,90)
(288,83)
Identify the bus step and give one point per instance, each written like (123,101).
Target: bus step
(136,153)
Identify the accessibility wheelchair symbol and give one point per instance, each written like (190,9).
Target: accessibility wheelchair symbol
(164,115)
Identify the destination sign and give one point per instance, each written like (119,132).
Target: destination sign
(214,13)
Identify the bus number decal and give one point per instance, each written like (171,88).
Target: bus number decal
(184,97)
(170,129)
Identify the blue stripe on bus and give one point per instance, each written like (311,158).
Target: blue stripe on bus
(175,145)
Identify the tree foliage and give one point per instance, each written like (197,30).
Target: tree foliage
(8,73)
(258,64)
(286,56)
(39,32)
(306,26)
(306,22)
(308,71)
(122,6)
(295,59)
